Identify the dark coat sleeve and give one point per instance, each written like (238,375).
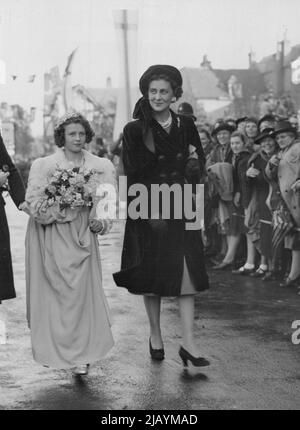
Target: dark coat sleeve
(194,139)
(193,175)
(135,165)
(244,186)
(17,189)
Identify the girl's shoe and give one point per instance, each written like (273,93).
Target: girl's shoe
(196,361)
(243,271)
(290,283)
(259,273)
(222,266)
(82,370)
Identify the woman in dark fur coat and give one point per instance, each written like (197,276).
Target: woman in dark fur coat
(10,179)
(161,258)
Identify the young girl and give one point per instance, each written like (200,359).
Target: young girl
(239,157)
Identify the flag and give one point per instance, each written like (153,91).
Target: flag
(67,89)
(69,63)
(282,225)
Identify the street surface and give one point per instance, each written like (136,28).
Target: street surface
(244,328)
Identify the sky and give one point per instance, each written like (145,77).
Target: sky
(36,35)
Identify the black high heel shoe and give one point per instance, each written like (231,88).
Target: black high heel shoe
(156,354)
(196,361)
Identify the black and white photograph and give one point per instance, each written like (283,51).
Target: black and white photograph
(149,207)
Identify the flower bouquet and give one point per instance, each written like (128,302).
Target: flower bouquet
(69,189)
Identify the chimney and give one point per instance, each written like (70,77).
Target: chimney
(206,65)
(251,57)
(108,82)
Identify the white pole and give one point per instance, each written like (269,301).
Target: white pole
(126,25)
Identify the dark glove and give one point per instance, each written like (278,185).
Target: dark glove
(192,167)
(192,171)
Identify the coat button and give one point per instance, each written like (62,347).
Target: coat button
(179,156)
(163,176)
(161,158)
(175,174)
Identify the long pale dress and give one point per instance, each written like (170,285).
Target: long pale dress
(67,311)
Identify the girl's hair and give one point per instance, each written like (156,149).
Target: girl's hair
(206,132)
(177,90)
(74,118)
(240,135)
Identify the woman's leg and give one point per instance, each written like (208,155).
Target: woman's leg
(263,262)
(152,305)
(251,251)
(295,267)
(232,244)
(186,309)
(224,245)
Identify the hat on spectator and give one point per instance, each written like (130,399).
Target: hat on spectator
(266,133)
(231,122)
(220,126)
(268,117)
(251,119)
(186,109)
(284,127)
(241,119)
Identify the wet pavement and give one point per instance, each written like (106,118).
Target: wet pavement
(244,328)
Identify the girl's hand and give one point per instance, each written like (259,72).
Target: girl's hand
(3,178)
(24,207)
(96,226)
(275,160)
(236,199)
(101,226)
(252,172)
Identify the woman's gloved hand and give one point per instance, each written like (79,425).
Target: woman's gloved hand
(192,167)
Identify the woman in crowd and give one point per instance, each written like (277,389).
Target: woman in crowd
(284,166)
(206,141)
(10,180)
(66,307)
(221,152)
(209,233)
(239,158)
(250,202)
(260,189)
(160,257)
(251,132)
(266,122)
(241,124)
(219,169)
